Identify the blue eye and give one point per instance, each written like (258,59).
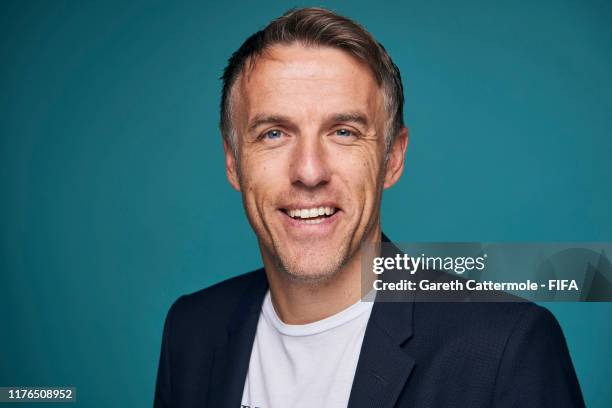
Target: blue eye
(344,132)
(273,134)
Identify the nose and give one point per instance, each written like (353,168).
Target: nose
(309,165)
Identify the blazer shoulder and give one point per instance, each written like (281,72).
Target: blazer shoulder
(537,361)
(491,322)
(510,315)
(220,298)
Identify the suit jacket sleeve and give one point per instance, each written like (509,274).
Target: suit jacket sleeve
(536,369)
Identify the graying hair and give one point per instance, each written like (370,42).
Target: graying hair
(315,26)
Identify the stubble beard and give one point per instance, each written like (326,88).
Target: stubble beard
(314,272)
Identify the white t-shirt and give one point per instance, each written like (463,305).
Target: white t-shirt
(304,366)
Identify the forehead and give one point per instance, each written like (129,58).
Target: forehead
(307,81)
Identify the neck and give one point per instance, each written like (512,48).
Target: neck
(299,302)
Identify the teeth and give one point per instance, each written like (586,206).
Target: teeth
(305,213)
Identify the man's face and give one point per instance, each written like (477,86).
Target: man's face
(309,125)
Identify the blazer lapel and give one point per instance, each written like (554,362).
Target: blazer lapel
(384,366)
(231,357)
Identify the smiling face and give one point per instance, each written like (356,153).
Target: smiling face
(309,125)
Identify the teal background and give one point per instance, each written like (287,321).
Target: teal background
(114,198)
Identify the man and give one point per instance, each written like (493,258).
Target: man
(311,116)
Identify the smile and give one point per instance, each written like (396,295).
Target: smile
(314,215)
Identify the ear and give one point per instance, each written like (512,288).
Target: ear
(230,166)
(395,161)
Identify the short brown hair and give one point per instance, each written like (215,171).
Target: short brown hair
(315,26)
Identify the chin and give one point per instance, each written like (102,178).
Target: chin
(310,276)
(306,268)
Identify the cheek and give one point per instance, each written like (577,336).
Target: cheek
(360,169)
(261,177)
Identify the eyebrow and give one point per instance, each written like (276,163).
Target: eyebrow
(263,119)
(355,117)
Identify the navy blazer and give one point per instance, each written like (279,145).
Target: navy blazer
(414,354)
